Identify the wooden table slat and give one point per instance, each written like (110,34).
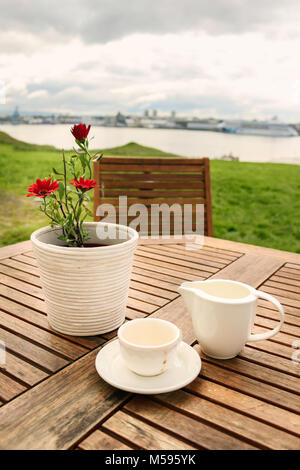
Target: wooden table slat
(21,275)
(141,285)
(252,269)
(293,266)
(20,266)
(146,296)
(32,352)
(285,297)
(287,330)
(278,283)
(172,280)
(99,440)
(142,434)
(44,338)
(9,388)
(20,286)
(263,310)
(50,415)
(198,433)
(249,386)
(206,253)
(252,363)
(284,278)
(140,305)
(289,273)
(189,258)
(29,253)
(252,407)
(255,432)
(274,367)
(22,370)
(14,296)
(291,311)
(173,263)
(25,259)
(132,313)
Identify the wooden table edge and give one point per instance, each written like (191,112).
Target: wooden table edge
(259,257)
(286,256)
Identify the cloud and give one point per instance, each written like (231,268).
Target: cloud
(38,95)
(2,93)
(228,58)
(100,21)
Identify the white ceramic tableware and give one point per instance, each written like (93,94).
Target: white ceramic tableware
(149,345)
(112,368)
(223,314)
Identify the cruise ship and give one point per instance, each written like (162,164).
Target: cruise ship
(264,128)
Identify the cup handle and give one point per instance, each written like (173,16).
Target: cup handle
(268,334)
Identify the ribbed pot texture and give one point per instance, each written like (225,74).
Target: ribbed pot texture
(85,289)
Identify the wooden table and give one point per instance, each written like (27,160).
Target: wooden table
(52,398)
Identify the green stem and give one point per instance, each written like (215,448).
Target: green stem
(65,180)
(50,217)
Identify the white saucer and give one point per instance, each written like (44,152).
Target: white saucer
(111,367)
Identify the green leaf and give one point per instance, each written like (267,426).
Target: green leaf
(61,190)
(56,172)
(82,160)
(97,159)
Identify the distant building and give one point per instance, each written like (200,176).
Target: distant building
(146,113)
(173,114)
(203,124)
(134,121)
(120,120)
(115,121)
(154,113)
(15,118)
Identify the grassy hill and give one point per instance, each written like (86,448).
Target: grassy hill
(256,203)
(6,139)
(133,149)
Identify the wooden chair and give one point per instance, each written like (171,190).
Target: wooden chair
(154,181)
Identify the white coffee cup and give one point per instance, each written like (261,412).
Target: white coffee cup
(149,345)
(223,314)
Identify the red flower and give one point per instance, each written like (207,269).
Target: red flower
(84,185)
(80,131)
(42,188)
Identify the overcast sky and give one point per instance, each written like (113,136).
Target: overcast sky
(222,58)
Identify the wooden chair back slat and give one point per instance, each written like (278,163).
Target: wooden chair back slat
(154,181)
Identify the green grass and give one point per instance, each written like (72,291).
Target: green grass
(256,203)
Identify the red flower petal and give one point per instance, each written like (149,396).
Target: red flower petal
(42,188)
(80,131)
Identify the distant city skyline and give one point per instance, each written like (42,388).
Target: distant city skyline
(224,59)
(144,114)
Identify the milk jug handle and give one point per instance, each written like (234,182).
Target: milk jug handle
(268,334)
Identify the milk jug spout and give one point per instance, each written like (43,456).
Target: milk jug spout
(189,295)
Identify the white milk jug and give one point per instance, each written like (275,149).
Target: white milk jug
(223,314)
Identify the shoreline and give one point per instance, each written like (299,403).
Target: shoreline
(188,144)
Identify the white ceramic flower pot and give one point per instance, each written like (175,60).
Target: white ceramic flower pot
(85,289)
